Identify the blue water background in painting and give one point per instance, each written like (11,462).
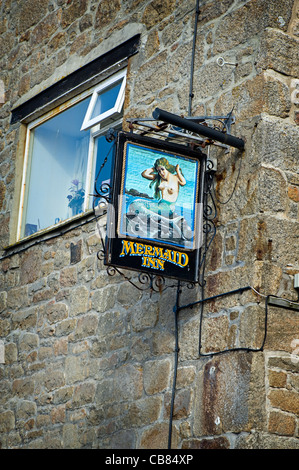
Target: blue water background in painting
(179,210)
(139,159)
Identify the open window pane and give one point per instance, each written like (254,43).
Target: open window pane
(106,100)
(58,157)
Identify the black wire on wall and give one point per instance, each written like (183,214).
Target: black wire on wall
(191,95)
(176,308)
(175,366)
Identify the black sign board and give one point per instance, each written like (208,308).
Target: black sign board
(155,219)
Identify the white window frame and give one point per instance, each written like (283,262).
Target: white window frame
(95,131)
(112,112)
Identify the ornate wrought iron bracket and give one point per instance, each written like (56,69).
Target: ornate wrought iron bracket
(102,197)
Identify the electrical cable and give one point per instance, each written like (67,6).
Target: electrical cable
(176,310)
(202,283)
(247,349)
(175,366)
(202,301)
(217,353)
(234,188)
(258,293)
(197,11)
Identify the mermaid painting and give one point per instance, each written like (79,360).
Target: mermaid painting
(167,180)
(155,217)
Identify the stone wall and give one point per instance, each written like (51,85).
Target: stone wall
(89,359)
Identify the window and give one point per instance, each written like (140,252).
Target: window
(64,152)
(106,101)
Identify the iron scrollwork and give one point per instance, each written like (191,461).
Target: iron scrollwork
(209,212)
(143,281)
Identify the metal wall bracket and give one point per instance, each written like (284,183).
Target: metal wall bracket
(282,303)
(198,130)
(212,134)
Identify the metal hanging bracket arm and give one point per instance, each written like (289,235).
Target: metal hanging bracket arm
(283,303)
(189,125)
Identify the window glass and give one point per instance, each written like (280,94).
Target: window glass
(57,170)
(106,100)
(63,161)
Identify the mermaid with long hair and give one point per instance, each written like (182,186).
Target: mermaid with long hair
(157,218)
(166,179)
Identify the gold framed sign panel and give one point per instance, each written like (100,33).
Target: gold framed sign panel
(156,216)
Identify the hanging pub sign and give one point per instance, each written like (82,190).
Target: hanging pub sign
(155,219)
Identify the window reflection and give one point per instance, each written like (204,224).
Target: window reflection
(58,162)
(106,100)
(63,157)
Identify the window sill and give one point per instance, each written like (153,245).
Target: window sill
(49,233)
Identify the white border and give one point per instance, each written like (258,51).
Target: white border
(116,109)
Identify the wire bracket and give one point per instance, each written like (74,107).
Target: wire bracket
(283,303)
(199,130)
